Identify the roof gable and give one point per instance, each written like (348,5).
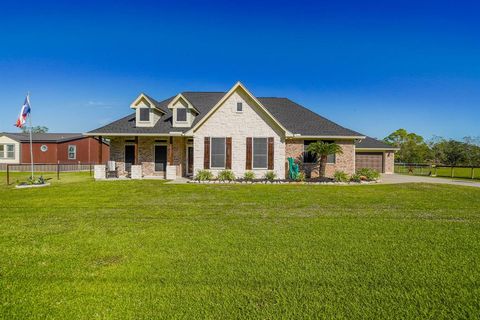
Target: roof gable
(237,86)
(152,103)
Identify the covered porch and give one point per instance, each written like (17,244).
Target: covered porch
(161,157)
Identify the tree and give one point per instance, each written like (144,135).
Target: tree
(413,148)
(37,129)
(321,150)
(453,152)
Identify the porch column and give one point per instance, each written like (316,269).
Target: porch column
(135,159)
(100,150)
(170,151)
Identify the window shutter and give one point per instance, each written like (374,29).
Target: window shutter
(228,156)
(248,164)
(206,153)
(270,153)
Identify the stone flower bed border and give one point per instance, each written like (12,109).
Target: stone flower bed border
(329,182)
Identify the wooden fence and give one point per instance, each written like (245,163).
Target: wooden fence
(40,168)
(438,170)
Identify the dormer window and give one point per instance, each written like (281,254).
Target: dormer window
(144,114)
(181,114)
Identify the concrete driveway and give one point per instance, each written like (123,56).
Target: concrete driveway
(401,178)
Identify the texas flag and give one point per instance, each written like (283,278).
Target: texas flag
(22,118)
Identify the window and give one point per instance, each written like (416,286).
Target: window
(144,114)
(72,152)
(311,158)
(44,148)
(239,107)
(10,151)
(181,114)
(260,153)
(7,151)
(217,153)
(308,157)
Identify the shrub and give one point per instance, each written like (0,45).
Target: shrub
(301,176)
(270,175)
(356,177)
(369,174)
(249,175)
(226,175)
(340,176)
(204,175)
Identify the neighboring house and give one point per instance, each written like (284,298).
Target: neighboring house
(230,130)
(50,148)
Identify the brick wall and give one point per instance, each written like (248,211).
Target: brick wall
(146,155)
(344,162)
(117,154)
(389,160)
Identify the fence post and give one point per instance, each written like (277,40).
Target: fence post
(58,170)
(473,173)
(8,174)
(453,170)
(90,169)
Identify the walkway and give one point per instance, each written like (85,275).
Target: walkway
(401,178)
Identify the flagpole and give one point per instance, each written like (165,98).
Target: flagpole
(30,123)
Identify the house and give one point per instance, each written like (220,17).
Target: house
(231,130)
(50,148)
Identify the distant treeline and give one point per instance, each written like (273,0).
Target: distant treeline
(415,149)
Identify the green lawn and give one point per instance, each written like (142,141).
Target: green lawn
(144,249)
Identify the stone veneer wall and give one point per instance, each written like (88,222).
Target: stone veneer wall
(389,161)
(344,162)
(251,122)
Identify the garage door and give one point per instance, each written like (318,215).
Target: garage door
(371,160)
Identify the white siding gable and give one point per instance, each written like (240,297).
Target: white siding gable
(7,141)
(155,115)
(182,104)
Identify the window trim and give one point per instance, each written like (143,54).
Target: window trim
(224,153)
(140,114)
(75,152)
(241,107)
(5,151)
(253,154)
(186,114)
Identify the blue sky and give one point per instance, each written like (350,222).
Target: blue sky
(372,66)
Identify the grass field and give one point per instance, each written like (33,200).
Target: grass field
(144,249)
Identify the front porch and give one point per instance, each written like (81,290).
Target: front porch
(160,157)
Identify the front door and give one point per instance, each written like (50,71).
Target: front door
(160,158)
(129,157)
(190,160)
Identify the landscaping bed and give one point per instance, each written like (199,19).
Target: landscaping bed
(284,181)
